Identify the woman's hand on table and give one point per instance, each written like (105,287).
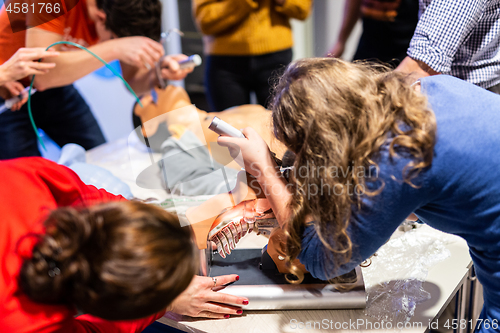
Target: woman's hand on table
(252,153)
(202,299)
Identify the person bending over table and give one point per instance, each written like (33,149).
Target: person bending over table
(68,247)
(122,30)
(371,148)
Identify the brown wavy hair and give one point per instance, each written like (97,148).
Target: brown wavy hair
(117,261)
(336,114)
(128,18)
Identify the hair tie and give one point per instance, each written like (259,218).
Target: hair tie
(53,269)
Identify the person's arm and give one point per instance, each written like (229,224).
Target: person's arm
(66,186)
(25,62)
(92,324)
(297,9)
(416,68)
(214,16)
(73,65)
(203,299)
(258,161)
(369,229)
(352,13)
(442,29)
(374,224)
(142,80)
(200,299)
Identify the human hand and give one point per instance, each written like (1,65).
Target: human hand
(139,51)
(12,89)
(202,299)
(416,68)
(170,68)
(25,62)
(252,153)
(337,50)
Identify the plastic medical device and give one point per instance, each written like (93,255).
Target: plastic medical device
(11,101)
(220,127)
(192,61)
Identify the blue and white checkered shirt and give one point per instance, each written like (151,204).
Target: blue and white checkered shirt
(460,38)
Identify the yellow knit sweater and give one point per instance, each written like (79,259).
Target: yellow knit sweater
(247,27)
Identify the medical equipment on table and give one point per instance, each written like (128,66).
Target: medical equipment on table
(220,127)
(11,101)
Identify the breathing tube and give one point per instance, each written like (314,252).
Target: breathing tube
(95,56)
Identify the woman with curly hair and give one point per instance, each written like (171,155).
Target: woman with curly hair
(371,149)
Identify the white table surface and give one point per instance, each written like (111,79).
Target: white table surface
(442,282)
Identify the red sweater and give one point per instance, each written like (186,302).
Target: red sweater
(29,189)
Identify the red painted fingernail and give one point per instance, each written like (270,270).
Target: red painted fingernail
(245,302)
(237,278)
(239,312)
(227,316)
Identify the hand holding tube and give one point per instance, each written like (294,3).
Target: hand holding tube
(191,62)
(250,152)
(172,70)
(220,127)
(25,62)
(20,96)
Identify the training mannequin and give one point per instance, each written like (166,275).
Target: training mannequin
(246,198)
(155,113)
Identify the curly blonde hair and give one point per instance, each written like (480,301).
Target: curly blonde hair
(336,114)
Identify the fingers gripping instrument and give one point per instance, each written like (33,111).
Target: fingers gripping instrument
(191,61)
(11,101)
(220,127)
